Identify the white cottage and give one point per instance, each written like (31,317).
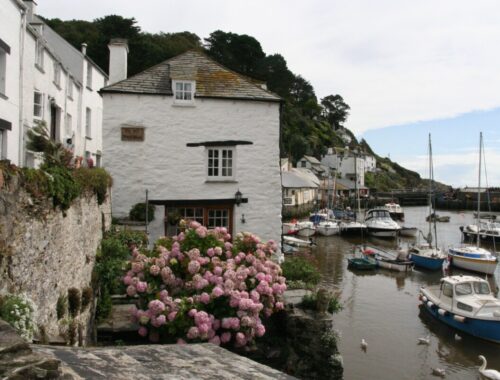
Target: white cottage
(44,78)
(202,139)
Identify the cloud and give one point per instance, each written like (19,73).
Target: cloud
(457,169)
(394,61)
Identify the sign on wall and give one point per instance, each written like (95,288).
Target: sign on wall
(132,133)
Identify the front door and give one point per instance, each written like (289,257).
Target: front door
(53,122)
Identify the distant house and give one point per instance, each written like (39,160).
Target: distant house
(300,191)
(311,163)
(349,164)
(59,86)
(202,139)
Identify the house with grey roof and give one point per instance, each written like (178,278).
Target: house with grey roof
(201,139)
(300,191)
(43,78)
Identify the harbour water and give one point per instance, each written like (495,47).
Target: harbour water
(382,308)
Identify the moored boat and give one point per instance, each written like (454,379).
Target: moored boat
(395,211)
(465,303)
(290,228)
(473,258)
(426,256)
(438,218)
(296,242)
(306,229)
(485,215)
(396,261)
(327,228)
(408,231)
(380,224)
(362,263)
(352,227)
(487,231)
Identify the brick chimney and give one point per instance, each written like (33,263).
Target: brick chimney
(118,55)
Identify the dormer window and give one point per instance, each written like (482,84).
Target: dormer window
(183,92)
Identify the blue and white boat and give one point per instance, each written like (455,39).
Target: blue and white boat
(426,255)
(473,258)
(465,303)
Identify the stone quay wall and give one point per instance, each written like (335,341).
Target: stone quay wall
(44,252)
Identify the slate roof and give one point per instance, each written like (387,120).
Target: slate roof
(212,80)
(298,179)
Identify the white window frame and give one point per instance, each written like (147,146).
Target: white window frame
(57,74)
(3,71)
(68,128)
(3,144)
(218,171)
(181,95)
(39,54)
(70,88)
(89,75)
(88,123)
(39,115)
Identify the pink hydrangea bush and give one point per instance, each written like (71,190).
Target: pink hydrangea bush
(198,287)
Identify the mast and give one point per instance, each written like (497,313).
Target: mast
(429,234)
(479,187)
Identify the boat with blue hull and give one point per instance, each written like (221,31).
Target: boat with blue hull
(432,260)
(465,303)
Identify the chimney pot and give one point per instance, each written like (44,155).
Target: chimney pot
(84,48)
(118,55)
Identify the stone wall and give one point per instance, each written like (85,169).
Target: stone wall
(43,253)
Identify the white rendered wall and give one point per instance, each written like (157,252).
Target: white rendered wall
(169,169)
(10,32)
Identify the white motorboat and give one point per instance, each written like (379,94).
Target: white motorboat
(408,231)
(395,210)
(465,303)
(306,229)
(486,230)
(290,228)
(352,227)
(380,224)
(473,258)
(327,228)
(296,242)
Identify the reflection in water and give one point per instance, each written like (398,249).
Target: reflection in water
(382,308)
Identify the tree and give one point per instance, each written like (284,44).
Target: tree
(335,110)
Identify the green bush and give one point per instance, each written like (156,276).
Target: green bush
(63,188)
(138,212)
(95,181)
(300,269)
(62,306)
(111,261)
(19,311)
(309,301)
(74,302)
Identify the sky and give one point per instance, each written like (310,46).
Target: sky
(406,68)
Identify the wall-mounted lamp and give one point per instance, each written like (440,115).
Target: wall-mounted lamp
(243,221)
(238,197)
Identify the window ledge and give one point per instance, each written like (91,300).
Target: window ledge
(3,96)
(57,85)
(88,138)
(89,88)
(40,68)
(221,181)
(190,104)
(70,97)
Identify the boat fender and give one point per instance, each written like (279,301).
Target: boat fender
(442,312)
(430,304)
(459,318)
(424,298)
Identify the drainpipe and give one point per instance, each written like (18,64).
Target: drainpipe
(21,88)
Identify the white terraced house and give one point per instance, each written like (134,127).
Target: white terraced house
(202,139)
(44,78)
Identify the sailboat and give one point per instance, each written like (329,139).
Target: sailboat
(473,257)
(428,255)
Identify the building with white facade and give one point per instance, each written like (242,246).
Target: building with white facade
(203,140)
(348,164)
(48,80)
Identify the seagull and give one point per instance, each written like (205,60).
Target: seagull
(364,345)
(438,372)
(426,340)
(488,373)
(458,338)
